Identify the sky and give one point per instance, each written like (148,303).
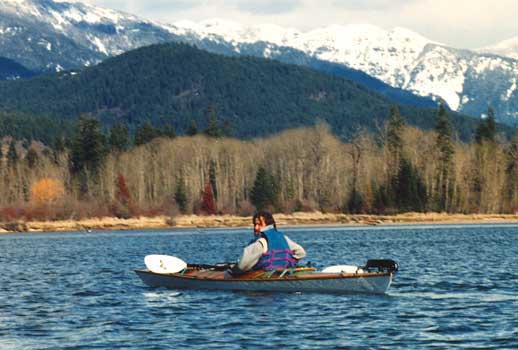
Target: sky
(458,23)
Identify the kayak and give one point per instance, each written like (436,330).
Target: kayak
(375,277)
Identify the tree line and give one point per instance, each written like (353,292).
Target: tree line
(397,169)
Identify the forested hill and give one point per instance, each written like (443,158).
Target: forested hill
(10,69)
(176,83)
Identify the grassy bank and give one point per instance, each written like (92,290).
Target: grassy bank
(296,219)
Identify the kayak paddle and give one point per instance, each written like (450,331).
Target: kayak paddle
(164,263)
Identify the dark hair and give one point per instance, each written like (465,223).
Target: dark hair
(268,218)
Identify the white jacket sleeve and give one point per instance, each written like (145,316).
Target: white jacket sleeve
(251,255)
(298,251)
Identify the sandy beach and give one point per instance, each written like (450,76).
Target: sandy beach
(222,221)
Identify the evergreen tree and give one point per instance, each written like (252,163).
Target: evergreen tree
(193,129)
(491,124)
(228,129)
(410,190)
(395,128)
(31,157)
(444,145)
(180,196)
(25,190)
(486,130)
(484,151)
(169,131)
(381,200)
(324,201)
(355,203)
(119,137)
(212,179)
(12,155)
(213,129)
(145,134)
(511,175)
(68,142)
(57,149)
(59,144)
(89,147)
(265,190)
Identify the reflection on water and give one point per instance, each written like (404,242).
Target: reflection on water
(457,288)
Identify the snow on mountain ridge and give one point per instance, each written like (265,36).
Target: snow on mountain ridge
(384,54)
(399,57)
(50,35)
(508,48)
(99,29)
(387,55)
(17,6)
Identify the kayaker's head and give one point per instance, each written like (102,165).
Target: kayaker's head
(262,219)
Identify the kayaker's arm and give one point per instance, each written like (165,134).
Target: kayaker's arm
(251,255)
(298,251)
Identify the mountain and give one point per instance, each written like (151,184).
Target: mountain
(53,36)
(506,48)
(177,83)
(48,35)
(10,70)
(294,56)
(468,81)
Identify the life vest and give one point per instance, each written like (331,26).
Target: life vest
(278,255)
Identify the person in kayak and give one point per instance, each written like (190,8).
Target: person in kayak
(268,250)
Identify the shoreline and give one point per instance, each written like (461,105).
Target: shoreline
(230,221)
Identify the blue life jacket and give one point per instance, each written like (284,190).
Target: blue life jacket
(278,255)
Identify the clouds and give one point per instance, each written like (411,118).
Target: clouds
(269,7)
(459,23)
(371,5)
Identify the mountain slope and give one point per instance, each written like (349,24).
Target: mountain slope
(46,35)
(10,70)
(177,83)
(468,81)
(294,56)
(506,48)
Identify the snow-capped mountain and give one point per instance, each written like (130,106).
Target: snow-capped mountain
(507,48)
(390,55)
(50,35)
(468,81)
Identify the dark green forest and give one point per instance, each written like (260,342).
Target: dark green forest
(30,127)
(177,85)
(10,69)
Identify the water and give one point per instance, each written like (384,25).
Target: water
(457,288)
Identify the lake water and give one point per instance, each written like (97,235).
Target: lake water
(457,288)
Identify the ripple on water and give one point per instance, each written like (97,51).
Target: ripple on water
(79,291)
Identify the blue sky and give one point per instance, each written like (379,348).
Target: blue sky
(459,23)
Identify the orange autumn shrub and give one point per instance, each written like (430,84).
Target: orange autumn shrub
(46,191)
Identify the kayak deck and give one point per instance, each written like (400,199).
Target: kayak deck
(303,279)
